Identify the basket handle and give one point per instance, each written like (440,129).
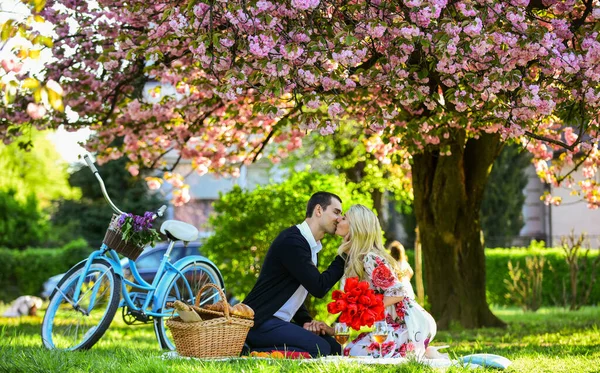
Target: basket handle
(223,298)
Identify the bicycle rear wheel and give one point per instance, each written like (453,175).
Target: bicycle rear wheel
(77,324)
(193,276)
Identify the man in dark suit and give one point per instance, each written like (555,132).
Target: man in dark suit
(289,273)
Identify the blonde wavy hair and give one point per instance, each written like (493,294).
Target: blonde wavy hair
(365,237)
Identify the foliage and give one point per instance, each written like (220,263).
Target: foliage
(24,96)
(555,270)
(582,270)
(347,152)
(24,272)
(525,285)
(246,222)
(502,205)
(549,341)
(39,170)
(89,217)
(22,224)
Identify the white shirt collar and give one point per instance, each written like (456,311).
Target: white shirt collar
(307,233)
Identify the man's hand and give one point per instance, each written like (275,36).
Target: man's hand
(319,328)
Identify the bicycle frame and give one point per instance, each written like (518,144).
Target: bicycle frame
(153,291)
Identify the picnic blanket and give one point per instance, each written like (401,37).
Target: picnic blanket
(471,361)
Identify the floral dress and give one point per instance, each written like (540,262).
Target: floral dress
(411,327)
(404,276)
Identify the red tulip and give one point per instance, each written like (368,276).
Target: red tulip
(351,283)
(341,305)
(364,299)
(337,294)
(332,308)
(352,310)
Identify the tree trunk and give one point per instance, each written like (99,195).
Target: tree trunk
(448,193)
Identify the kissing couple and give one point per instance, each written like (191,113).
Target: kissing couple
(289,273)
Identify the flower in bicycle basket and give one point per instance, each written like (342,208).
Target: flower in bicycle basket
(358,303)
(138,229)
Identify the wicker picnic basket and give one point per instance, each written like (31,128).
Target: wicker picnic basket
(219,334)
(114,239)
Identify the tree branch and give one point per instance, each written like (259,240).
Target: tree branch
(275,128)
(580,21)
(553,141)
(562,178)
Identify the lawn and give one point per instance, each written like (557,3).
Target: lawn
(551,340)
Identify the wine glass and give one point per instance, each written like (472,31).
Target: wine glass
(342,334)
(380,334)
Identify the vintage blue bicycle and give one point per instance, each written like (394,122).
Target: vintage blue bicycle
(85,301)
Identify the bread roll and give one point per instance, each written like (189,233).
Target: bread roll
(243,310)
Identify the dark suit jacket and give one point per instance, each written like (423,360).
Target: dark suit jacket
(288,264)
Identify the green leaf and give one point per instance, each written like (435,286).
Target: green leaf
(7,29)
(30,83)
(39,5)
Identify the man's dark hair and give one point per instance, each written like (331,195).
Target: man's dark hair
(320,198)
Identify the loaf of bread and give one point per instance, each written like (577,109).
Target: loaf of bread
(186,312)
(218,307)
(243,310)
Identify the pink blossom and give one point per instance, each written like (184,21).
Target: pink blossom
(261,45)
(36,111)
(153,184)
(473,29)
(181,196)
(335,110)
(328,129)
(291,51)
(413,3)
(305,4)
(314,103)
(11,65)
(133,170)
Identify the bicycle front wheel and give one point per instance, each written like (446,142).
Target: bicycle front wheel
(77,324)
(184,287)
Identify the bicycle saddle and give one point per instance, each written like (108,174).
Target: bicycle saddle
(179,230)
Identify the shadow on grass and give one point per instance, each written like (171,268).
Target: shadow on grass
(27,326)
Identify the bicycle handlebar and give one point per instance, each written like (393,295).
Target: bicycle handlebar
(104,192)
(90,163)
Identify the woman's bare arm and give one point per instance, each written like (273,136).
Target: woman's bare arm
(388,301)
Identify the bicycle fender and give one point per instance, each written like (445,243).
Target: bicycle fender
(115,264)
(166,279)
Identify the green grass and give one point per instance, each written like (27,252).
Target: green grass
(551,340)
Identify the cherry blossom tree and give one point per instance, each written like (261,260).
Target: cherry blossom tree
(439,85)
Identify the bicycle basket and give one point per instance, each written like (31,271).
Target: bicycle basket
(114,239)
(221,336)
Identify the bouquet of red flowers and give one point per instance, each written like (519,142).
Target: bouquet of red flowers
(358,303)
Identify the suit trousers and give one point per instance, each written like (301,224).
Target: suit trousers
(276,334)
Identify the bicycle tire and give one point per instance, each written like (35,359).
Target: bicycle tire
(106,295)
(200,273)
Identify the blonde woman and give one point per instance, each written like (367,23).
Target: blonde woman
(411,328)
(405,271)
